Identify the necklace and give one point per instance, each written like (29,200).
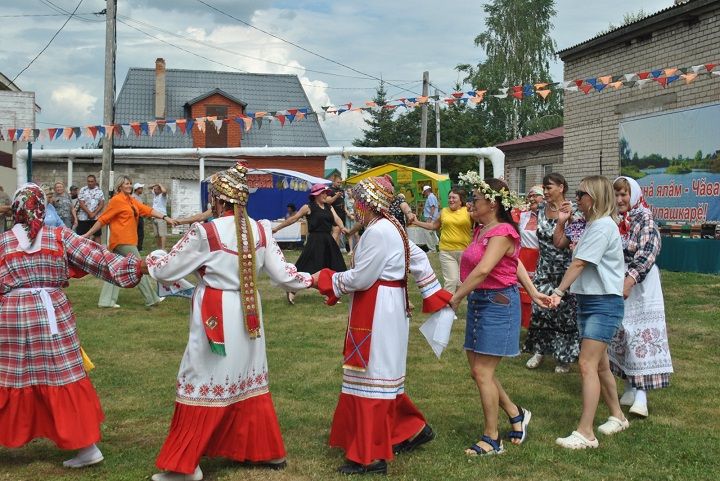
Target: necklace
(487,227)
(552,209)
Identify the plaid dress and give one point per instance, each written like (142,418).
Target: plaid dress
(44,391)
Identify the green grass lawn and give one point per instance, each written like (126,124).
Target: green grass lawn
(137,352)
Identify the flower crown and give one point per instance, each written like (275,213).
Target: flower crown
(472,179)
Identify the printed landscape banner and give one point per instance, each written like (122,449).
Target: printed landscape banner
(675,157)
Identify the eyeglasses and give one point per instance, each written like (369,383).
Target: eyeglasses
(580,193)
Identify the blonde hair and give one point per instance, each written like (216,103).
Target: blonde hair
(121,180)
(603,196)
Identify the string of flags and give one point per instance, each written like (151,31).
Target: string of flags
(663,77)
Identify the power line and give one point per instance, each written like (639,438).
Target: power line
(48,44)
(20,15)
(62,11)
(300,47)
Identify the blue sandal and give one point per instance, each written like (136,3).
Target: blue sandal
(496,444)
(524,419)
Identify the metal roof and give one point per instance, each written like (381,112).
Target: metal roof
(547,137)
(261,92)
(671,15)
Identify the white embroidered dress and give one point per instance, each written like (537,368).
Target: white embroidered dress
(207,379)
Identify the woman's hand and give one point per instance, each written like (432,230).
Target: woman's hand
(555,301)
(565,211)
(627,286)
(542,300)
(455,303)
(144,267)
(411,218)
(171,221)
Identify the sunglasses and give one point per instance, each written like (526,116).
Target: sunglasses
(579,194)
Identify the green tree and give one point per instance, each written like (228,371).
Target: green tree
(519,50)
(625,151)
(380,132)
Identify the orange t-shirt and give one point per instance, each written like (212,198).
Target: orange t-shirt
(122,213)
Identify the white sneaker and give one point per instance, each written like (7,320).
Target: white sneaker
(85,457)
(172,476)
(562,368)
(628,397)
(613,425)
(639,409)
(160,299)
(577,441)
(534,361)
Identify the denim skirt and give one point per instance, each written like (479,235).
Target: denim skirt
(599,316)
(493,322)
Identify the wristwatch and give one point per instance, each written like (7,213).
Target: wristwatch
(558,292)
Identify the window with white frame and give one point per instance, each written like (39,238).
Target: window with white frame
(547,169)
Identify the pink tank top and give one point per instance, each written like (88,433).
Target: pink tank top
(504,274)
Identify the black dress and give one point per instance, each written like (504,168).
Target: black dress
(320,249)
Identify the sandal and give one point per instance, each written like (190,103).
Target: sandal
(496,444)
(290,298)
(524,419)
(577,441)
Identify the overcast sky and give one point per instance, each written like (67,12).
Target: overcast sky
(396,40)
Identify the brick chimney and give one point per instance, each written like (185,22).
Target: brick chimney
(160,102)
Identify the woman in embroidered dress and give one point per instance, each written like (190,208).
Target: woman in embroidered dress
(321,250)
(122,214)
(223,405)
(552,332)
(44,390)
(529,246)
(640,353)
(490,270)
(374,418)
(455,227)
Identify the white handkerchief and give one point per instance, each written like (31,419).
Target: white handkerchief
(181,288)
(437,329)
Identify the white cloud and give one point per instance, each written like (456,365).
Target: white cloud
(74,102)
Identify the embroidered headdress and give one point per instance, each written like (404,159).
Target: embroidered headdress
(472,179)
(231,186)
(377,193)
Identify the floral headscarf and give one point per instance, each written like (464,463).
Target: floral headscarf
(637,205)
(28,209)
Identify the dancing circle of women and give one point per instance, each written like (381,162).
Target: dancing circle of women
(223,405)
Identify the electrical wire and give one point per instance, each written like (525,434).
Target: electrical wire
(48,44)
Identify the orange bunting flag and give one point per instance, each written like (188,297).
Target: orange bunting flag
(605,79)
(616,85)
(152,127)
(370,104)
(669,72)
(67,133)
(689,77)
(200,122)
(109,131)
(540,86)
(543,93)
(422,100)
(450,101)
(300,115)
(26,134)
(182,124)
(247,122)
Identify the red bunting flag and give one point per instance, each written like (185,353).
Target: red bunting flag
(135,126)
(586,88)
(662,81)
(51,133)
(182,124)
(709,67)
(281,118)
(643,75)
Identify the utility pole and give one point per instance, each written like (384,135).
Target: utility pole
(437,131)
(109,99)
(423,117)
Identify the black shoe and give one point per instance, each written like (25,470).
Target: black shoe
(378,467)
(266,464)
(424,436)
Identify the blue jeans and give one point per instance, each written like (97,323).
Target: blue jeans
(599,316)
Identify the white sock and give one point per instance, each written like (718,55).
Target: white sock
(628,385)
(640,397)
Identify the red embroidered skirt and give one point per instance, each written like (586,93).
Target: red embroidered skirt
(366,429)
(247,430)
(68,415)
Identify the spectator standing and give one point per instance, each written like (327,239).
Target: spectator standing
(529,246)
(640,353)
(160,205)
(122,214)
(431,212)
(63,204)
(90,203)
(291,209)
(336,198)
(4,208)
(595,276)
(455,226)
(137,194)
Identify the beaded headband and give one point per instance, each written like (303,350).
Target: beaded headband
(231,185)
(376,192)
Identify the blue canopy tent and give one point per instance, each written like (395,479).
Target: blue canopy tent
(271,190)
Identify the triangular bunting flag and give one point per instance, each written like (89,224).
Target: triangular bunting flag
(218,125)
(517,94)
(606,79)
(697,68)
(540,86)
(543,93)
(578,83)
(190,124)
(668,72)
(135,127)
(36,134)
(109,131)
(152,126)
(281,118)
(591,81)
(126,130)
(709,67)
(51,133)
(422,100)
(662,81)
(101,130)
(643,75)
(301,114)
(76,131)
(259,121)
(500,96)
(656,73)
(144,128)
(200,124)
(672,78)
(586,88)
(173,126)
(616,85)
(182,125)
(629,77)
(457,95)
(247,123)
(93,130)
(641,83)
(27,132)
(599,86)
(291,117)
